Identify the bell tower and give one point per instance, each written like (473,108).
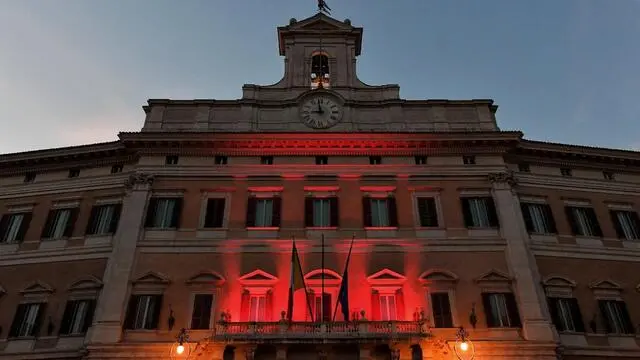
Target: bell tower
(320,51)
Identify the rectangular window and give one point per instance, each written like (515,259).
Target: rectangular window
(322,160)
(388,307)
(627,224)
(469,160)
(479,212)
(143,312)
(441,309)
(538,218)
(566,314)
(164,213)
(77,318)
(27,320)
(266,160)
(116,169)
(321,212)
(427,212)
(171,160)
(501,310)
(214,216)
(201,316)
(380,212)
(220,160)
(13,227)
(257,307)
(60,223)
(104,219)
(322,307)
(375,160)
(263,212)
(616,317)
(583,221)
(524,167)
(421,160)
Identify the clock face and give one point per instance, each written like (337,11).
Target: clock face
(320,112)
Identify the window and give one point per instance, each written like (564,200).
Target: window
(60,223)
(583,221)
(538,218)
(380,212)
(220,160)
(565,314)
(566,172)
(13,227)
(322,160)
(77,317)
(501,310)
(266,160)
(427,212)
(116,169)
(171,160)
(421,160)
(104,219)
(319,71)
(263,212)
(143,312)
(441,310)
(375,160)
(257,306)
(201,315)
(164,213)
(322,307)
(29,177)
(608,175)
(627,224)
(616,317)
(479,212)
(74,173)
(214,216)
(469,160)
(27,320)
(321,212)
(524,167)
(388,307)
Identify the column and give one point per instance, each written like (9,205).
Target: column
(521,262)
(107,324)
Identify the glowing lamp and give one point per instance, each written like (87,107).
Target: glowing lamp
(464,346)
(180,349)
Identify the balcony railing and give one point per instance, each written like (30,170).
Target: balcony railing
(315,331)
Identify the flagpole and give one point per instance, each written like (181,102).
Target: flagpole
(346,266)
(322,286)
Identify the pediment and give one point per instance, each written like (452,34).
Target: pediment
(386,276)
(86,283)
(438,275)
(317,275)
(37,287)
(258,278)
(152,277)
(493,276)
(605,285)
(319,22)
(558,281)
(206,278)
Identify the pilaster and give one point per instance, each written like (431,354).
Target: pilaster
(521,262)
(107,325)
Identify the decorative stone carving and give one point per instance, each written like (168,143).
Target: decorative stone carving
(139,179)
(506,178)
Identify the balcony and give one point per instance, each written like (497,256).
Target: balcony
(314,332)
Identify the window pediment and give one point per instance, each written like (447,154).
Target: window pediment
(206,278)
(493,276)
(559,281)
(88,283)
(37,288)
(605,285)
(314,278)
(152,278)
(386,281)
(258,278)
(438,276)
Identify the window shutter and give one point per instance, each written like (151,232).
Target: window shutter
(268,306)
(151,212)
(201,316)
(486,303)
(130,319)
(427,212)
(393,211)
(4,225)
(214,215)
(88,319)
(39,320)
(157,302)
(24,227)
(177,213)
(635,219)
(526,216)
(308,211)
(602,304)
(572,221)
(616,224)
(334,212)
(626,321)
(93,221)
(115,219)
(220,206)
(65,324)
(71,223)
(46,231)
(251,212)
(375,306)
(466,212)
(492,213)
(366,211)
(17,320)
(591,214)
(400,312)
(549,215)
(576,315)
(512,310)
(553,312)
(245,306)
(441,308)
(277,207)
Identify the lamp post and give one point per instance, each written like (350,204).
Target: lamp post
(181,349)
(463,347)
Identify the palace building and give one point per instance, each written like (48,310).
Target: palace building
(176,241)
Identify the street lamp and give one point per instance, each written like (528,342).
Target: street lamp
(181,348)
(463,347)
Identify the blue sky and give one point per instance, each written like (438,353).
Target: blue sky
(78,71)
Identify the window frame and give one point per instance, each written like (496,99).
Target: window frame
(205,197)
(74,208)
(436,281)
(27,215)
(635,220)
(416,196)
(574,226)
(153,201)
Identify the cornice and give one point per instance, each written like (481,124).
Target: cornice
(572,154)
(583,252)
(62,186)
(572,183)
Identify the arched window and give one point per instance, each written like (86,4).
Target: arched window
(319,71)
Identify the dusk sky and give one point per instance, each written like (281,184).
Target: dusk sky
(75,72)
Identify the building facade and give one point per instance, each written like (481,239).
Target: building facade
(531,249)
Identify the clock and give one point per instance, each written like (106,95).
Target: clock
(320,111)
